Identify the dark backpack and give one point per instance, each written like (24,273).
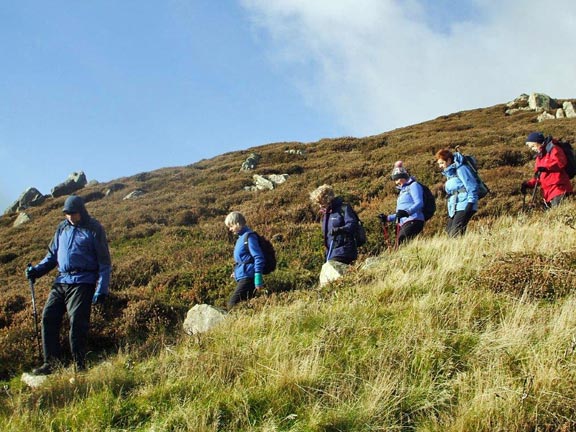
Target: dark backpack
(360,234)
(267,250)
(470,161)
(429,202)
(569,152)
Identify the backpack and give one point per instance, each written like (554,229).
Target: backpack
(569,152)
(267,250)
(429,202)
(360,233)
(470,161)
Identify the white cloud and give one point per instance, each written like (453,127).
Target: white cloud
(377,64)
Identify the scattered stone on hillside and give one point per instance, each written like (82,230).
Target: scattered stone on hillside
(520,101)
(134,194)
(296,152)
(251,162)
(560,113)
(268,182)
(114,187)
(74,182)
(30,197)
(33,381)
(545,116)
(201,318)
(540,102)
(569,109)
(92,183)
(21,219)
(332,270)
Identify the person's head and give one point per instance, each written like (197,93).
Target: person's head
(235,221)
(322,196)
(535,141)
(399,174)
(74,209)
(444,158)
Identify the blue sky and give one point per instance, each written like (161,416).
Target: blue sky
(115,88)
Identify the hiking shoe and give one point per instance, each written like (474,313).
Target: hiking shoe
(45,369)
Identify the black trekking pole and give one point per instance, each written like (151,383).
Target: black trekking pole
(35,314)
(535,189)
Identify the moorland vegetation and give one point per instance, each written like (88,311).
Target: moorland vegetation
(469,334)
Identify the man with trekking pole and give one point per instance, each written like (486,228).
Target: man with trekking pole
(549,170)
(80,250)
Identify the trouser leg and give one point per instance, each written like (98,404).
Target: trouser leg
(458,224)
(410,230)
(52,315)
(79,305)
(245,289)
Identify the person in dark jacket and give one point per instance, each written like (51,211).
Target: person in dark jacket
(248,259)
(462,189)
(549,170)
(339,223)
(80,250)
(409,205)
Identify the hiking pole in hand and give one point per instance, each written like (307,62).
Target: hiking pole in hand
(35,314)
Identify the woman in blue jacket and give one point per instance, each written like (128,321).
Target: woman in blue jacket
(462,188)
(248,259)
(339,223)
(409,206)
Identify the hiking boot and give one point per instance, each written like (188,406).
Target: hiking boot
(45,369)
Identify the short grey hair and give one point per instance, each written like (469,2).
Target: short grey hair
(235,219)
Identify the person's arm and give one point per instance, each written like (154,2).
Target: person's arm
(104,262)
(258,256)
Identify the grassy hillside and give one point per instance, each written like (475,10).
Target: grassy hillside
(421,340)
(473,334)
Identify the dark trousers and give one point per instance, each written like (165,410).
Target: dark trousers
(76,299)
(410,230)
(245,289)
(457,225)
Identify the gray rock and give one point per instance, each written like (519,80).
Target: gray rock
(201,318)
(332,270)
(74,182)
(262,183)
(560,113)
(569,109)
(134,194)
(33,381)
(251,162)
(545,116)
(21,220)
(30,197)
(541,102)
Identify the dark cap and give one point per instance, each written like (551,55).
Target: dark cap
(536,137)
(73,204)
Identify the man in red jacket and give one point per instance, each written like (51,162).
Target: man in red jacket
(549,170)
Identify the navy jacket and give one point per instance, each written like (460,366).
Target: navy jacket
(81,254)
(340,245)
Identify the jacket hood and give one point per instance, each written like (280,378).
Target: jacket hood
(75,204)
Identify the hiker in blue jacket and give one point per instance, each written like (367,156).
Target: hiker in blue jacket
(248,259)
(339,223)
(409,206)
(462,188)
(80,250)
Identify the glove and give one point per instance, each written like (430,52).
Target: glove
(401,214)
(99,298)
(469,208)
(337,230)
(383,218)
(541,169)
(31,273)
(523,188)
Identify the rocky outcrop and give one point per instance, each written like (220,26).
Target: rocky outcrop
(251,162)
(547,107)
(74,182)
(21,220)
(268,182)
(30,197)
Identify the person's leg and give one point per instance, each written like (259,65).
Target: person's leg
(245,289)
(79,305)
(52,315)
(458,224)
(410,230)
(556,201)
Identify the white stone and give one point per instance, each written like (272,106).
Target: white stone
(201,318)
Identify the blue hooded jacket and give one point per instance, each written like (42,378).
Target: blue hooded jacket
(249,258)
(410,199)
(80,251)
(340,245)
(460,185)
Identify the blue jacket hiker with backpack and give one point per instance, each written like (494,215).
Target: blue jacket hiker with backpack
(462,189)
(248,259)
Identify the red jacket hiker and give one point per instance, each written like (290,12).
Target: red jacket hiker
(549,169)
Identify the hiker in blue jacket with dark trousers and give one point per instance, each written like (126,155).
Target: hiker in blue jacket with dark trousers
(80,250)
(409,206)
(339,224)
(462,188)
(248,258)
